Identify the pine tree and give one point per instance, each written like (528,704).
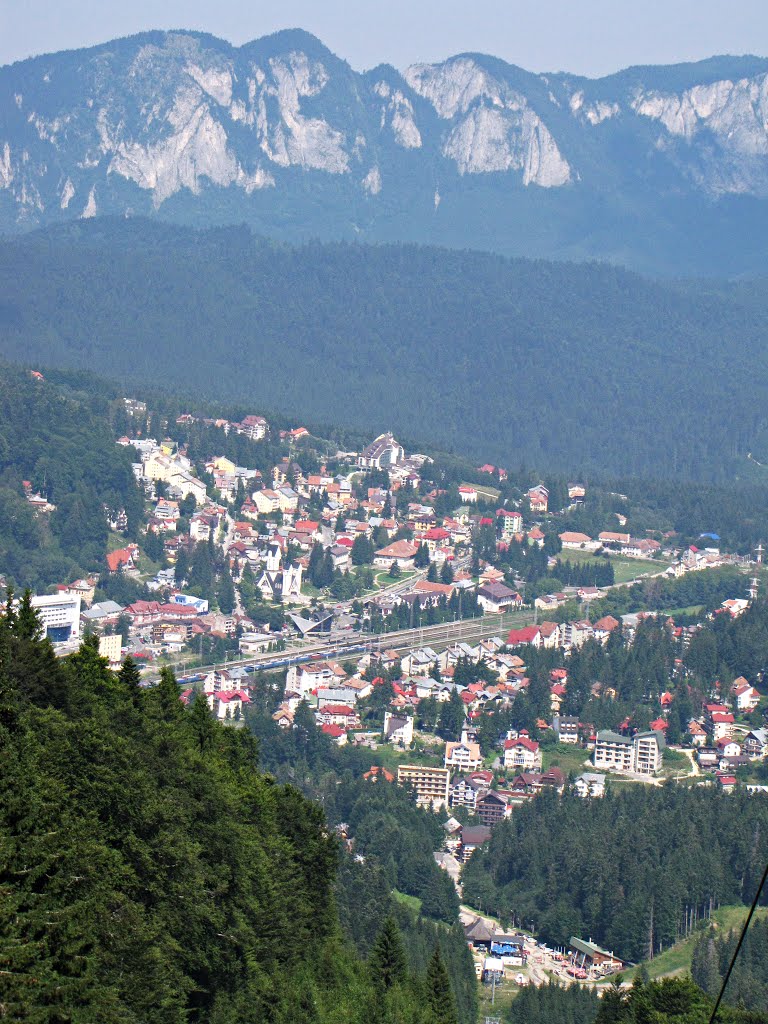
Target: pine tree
(201,721)
(432,573)
(28,625)
(387,959)
(181,567)
(362,551)
(421,558)
(226,592)
(440,998)
(314,569)
(130,679)
(167,692)
(327,571)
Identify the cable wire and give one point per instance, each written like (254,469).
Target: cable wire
(738,945)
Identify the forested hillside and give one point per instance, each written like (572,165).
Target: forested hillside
(622,870)
(748,983)
(150,875)
(576,367)
(57,436)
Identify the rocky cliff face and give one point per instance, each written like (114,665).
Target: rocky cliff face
(283,134)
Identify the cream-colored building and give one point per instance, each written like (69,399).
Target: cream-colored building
(640,755)
(463,757)
(266,501)
(110,647)
(430,784)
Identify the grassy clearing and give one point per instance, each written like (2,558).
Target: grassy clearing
(390,757)
(409,901)
(506,993)
(484,492)
(566,757)
(677,959)
(692,609)
(625,569)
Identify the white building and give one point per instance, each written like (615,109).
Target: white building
(640,755)
(398,728)
(613,752)
(60,616)
(590,784)
(381,453)
(522,753)
(463,757)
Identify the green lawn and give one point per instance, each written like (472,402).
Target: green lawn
(677,959)
(409,901)
(505,995)
(692,609)
(625,569)
(484,492)
(390,757)
(382,579)
(566,757)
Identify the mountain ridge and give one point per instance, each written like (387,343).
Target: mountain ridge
(518,361)
(660,168)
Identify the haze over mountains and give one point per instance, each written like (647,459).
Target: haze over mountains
(664,169)
(566,366)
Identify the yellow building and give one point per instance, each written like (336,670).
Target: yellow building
(223,465)
(110,647)
(429,784)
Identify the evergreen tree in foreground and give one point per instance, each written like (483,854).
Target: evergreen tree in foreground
(442,1005)
(387,959)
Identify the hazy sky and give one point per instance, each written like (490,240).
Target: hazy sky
(590,37)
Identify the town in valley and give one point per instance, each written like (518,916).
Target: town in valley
(471,631)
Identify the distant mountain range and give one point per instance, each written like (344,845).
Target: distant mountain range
(662,168)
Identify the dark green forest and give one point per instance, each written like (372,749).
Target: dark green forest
(149,872)
(622,869)
(58,437)
(554,365)
(671,1001)
(748,983)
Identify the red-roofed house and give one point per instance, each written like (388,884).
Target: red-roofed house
(722,725)
(726,782)
(401,551)
(511,522)
(522,753)
(435,538)
(125,559)
(698,734)
(338,714)
(526,635)
(228,703)
(745,697)
(336,732)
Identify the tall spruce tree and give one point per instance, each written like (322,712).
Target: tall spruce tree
(387,961)
(440,998)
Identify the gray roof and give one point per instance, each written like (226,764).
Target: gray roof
(474,835)
(653,732)
(479,931)
(612,737)
(590,948)
(98,611)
